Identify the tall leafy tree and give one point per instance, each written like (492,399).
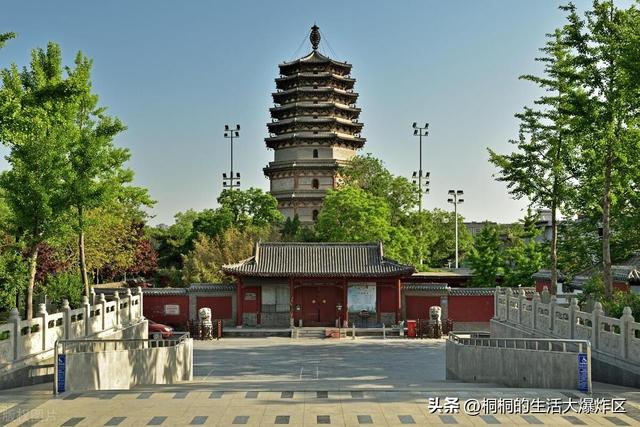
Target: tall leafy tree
(35,123)
(353,215)
(96,174)
(250,207)
(606,45)
(370,174)
(487,257)
(540,168)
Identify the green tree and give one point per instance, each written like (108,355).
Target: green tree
(487,258)
(204,263)
(35,123)
(4,37)
(442,248)
(369,174)
(525,254)
(540,169)
(605,45)
(96,174)
(353,215)
(251,207)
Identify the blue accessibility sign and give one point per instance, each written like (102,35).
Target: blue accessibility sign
(583,373)
(62,359)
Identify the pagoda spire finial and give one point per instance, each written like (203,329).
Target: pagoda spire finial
(315,37)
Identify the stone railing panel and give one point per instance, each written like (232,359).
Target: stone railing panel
(110,315)
(30,337)
(54,328)
(6,343)
(584,326)
(634,341)
(561,325)
(76,322)
(610,338)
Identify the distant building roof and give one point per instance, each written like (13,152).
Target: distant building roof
(460,272)
(621,272)
(318,260)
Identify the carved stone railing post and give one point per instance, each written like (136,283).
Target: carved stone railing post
(130,307)
(93,296)
(521,298)
(625,332)
(42,313)
(496,298)
(103,310)
(507,299)
(140,302)
(534,310)
(552,312)
(14,319)
(116,298)
(596,315)
(87,315)
(573,309)
(66,319)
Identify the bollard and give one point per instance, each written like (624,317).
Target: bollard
(353,331)
(384,332)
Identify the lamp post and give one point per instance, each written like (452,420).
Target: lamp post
(231,181)
(455,200)
(420,178)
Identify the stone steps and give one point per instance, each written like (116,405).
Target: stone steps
(319,333)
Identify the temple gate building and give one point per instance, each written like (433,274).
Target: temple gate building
(318,284)
(314,130)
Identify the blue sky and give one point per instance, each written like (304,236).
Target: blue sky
(177,72)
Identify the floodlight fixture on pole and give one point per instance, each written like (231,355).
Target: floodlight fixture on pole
(420,178)
(455,200)
(233,180)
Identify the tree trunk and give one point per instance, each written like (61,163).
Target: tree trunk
(33,264)
(82,259)
(606,244)
(554,247)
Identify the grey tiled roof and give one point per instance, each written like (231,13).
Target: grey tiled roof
(318,260)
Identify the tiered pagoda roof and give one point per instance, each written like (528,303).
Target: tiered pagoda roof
(314,111)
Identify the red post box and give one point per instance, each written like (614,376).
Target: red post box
(412,328)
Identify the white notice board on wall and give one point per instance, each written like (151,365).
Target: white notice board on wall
(361,296)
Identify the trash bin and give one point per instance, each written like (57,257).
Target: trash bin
(411,328)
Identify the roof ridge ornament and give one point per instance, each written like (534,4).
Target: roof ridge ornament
(314,37)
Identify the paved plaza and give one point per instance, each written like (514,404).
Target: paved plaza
(279,381)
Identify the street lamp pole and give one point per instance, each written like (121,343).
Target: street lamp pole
(455,200)
(231,181)
(420,177)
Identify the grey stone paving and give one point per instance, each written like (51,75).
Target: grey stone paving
(285,364)
(348,383)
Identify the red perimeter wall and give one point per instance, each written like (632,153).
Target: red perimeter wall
(153,309)
(220,306)
(477,308)
(418,306)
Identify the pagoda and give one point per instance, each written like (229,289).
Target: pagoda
(314,130)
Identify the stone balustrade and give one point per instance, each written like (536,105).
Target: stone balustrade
(542,315)
(23,339)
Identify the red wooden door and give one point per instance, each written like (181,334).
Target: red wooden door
(310,313)
(327,300)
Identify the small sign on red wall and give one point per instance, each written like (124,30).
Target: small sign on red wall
(250,296)
(172,310)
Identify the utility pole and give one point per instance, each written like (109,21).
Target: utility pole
(231,181)
(455,200)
